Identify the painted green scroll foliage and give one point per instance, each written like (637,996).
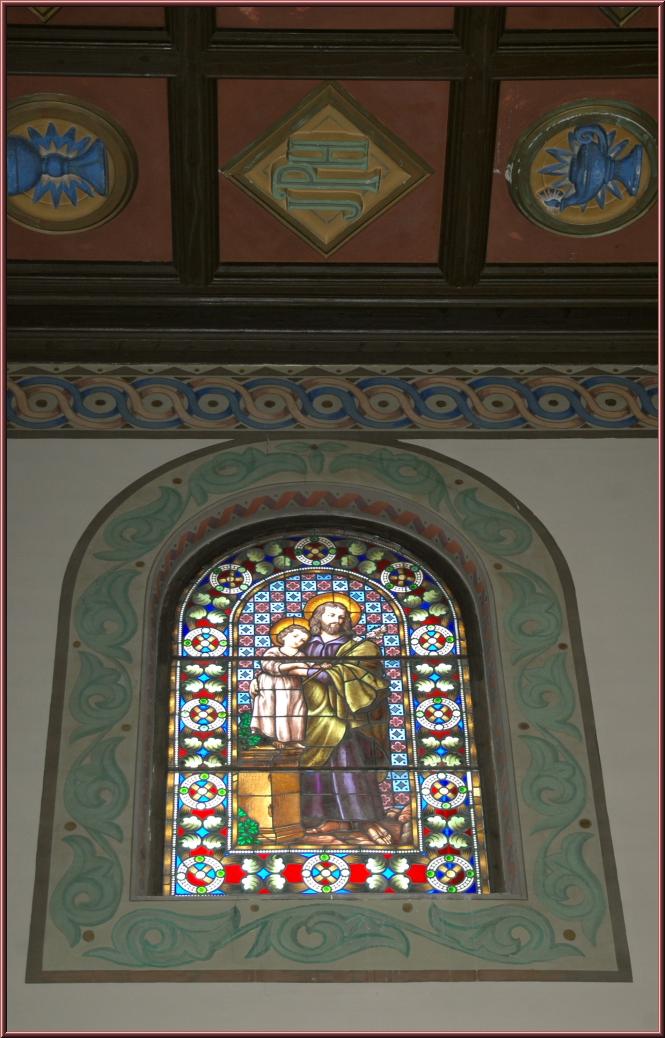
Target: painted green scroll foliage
(554,785)
(104,616)
(534,617)
(494,529)
(547,696)
(154,938)
(133,533)
(96,791)
(100,698)
(413,474)
(237,469)
(89,892)
(568,886)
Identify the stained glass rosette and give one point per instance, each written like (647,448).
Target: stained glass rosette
(234,797)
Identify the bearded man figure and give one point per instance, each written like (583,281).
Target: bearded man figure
(346,738)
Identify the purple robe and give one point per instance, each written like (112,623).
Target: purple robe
(348,790)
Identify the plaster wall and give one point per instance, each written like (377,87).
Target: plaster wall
(597,497)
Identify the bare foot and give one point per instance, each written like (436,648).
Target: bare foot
(378,834)
(323,841)
(329,827)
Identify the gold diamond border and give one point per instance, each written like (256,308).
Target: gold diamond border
(379,135)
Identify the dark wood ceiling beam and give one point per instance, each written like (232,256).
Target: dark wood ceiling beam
(470,150)
(193,129)
(586,55)
(91,52)
(367,336)
(328,55)
(33,288)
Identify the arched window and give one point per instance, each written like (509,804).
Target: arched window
(444,787)
(322,737)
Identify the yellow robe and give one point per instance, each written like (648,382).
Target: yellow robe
(355,697)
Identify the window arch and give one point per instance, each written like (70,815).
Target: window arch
(322,734)
(552,906)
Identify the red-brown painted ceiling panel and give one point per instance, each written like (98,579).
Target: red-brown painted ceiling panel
(512,237)
(575,16)
(120,15)
(336,16)
(142,230)
(409,232)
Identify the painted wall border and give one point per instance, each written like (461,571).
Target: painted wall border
(504,951)
(162,399)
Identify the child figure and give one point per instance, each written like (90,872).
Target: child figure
(279,711)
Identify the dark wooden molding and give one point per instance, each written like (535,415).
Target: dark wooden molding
(193,129)
(275,348)
(172,328)
(335,55)
(578,54)
(100,51)
(472,119)
(38,287)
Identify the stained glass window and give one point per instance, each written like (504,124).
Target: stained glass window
(321,727)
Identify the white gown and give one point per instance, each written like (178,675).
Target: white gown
(279,710)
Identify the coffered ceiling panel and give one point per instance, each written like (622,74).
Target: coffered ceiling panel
(385,219)
(514,238)
(121,15)
(581,16)
(336,16)
(142,230)
(400,125)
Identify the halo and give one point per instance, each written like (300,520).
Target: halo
(353,608)
(288,621)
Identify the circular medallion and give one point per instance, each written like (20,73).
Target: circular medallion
(438,714)
(202,791)
(204,641)
(450,874)
(586,169)
(203,715)
(200,874)
(325,873)
(70,167)
(432,640)
(444,790)
(230,579)
(401,577)
(315,551)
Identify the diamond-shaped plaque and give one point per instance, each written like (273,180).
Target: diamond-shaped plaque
(327,169)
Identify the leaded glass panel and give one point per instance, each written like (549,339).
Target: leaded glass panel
(321,736)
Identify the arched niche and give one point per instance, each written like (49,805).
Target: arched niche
(553,911)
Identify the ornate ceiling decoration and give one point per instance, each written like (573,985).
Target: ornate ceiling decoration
(70,167)
(586,169)
(327,168)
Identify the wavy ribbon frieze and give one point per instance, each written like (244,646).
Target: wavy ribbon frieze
(553,403)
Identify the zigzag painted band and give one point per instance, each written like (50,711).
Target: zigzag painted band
(208,403)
